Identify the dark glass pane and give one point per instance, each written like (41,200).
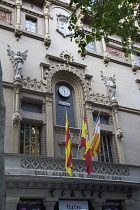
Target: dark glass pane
(33,140)
(27,139)
(29,107)
(103,119)
(61,108)
(22,139)
(74,151)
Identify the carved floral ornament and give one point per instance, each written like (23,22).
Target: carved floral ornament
(66,56)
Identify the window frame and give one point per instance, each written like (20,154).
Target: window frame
(31,124)
(31,19)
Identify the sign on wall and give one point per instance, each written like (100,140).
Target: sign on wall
(73,205)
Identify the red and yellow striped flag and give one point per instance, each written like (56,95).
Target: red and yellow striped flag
(86,144)
(68,149)
(95,145)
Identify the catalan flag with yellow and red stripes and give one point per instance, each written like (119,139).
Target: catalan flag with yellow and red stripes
(68,149)
(95,145)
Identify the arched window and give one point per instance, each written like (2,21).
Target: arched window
(64,99)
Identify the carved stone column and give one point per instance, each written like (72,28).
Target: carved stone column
(16,117)
(49,130)
(11,203)
(135,65)
(128,204)
(118,131)
(47,39)
(18,29)
(97,203)
(49,203)
(106,57)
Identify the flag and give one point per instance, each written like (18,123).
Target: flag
(84,134)
(68,149)
(95,145)
(85,143)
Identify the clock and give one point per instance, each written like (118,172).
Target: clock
(64,91)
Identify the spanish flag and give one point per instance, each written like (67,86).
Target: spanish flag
(68,148)
(95,144)
(84,133)
(86,144)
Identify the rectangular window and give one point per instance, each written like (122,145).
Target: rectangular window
(31,25)
(103,119)
(106,154)
(30,107)
(91,46)
(137,58)
(74,150)
(30,139)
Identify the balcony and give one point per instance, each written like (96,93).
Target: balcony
(41,172)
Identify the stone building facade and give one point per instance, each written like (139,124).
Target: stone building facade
(43,75)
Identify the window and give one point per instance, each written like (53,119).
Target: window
(30,107)
(137,58)
(91,46)
(103,119)
(74,150)
(31,24)
(30,139)
(106,154)
(64,101)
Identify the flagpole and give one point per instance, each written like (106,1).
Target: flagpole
(81,121)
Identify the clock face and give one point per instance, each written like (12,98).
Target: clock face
(64,91)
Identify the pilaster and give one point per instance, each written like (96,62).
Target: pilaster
(47,39)
(18,29)
(16,116)
(49,130)
(118,131)
(11,203)
(106,57)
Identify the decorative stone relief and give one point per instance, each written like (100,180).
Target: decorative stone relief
(66,56)
(67,68)
(62,25)
(115,52)
(100,99)
(49,164)
(106,58)
(111,86)
(33,84)
(5,15)
(17,59)
(134,66)
(16,118)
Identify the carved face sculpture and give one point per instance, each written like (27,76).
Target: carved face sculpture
(62,25)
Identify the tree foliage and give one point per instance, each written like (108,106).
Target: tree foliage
(106,18)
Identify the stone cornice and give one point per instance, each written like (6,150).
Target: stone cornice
(63,4)
(8,3)
(58,59)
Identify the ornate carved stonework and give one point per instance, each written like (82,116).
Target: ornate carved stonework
(111,85)
(66,56)
(100,99)
(135,66)
(67,68)
(33,84)
(59,165)
(16,118)
(17,59)
(62,25)
(115,52)
(106,58)
(5,15)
